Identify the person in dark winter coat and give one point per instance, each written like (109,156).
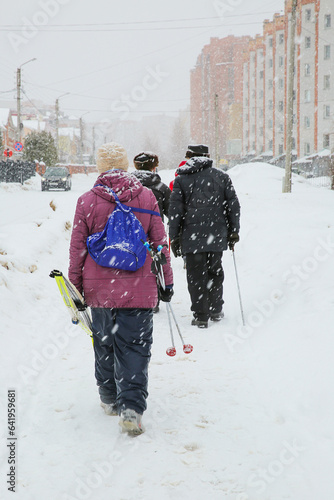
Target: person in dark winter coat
(121,301)
(146,165)
(204,215)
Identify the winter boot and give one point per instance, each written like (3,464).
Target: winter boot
(109,409)
(199,323)
(130,422)
(216,316)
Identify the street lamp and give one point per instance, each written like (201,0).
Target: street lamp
(18,98)
(57,121)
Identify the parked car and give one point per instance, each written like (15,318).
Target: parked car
(56,178)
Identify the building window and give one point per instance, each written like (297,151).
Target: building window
(308,14)
(281,83)
(253,144)
(307,42)
(246,101)
(328,20)
(307,122)
(270,41)
(270,104)
(294,95)
(270,123)
(281,128)
(261,131)
(325,142)
(270,63)
(307,69)
(261,112)
(327,111)
(307,96)
(270,145)
(281,38)
(246,117)
(280,106)
(327,82)
(270,84)
(261,75)
(280,149)
(280,61)
(253,129)
(307,148)
(260,94)
(327,52)
(253,111)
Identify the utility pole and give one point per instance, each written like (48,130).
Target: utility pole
(57,121)
(18,104)
(216,130)
(81,140)
(81,136)
(93,145)
(18,99)
(57,126)
(289,128)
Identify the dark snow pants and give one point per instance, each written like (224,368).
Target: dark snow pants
(205,276)
(122,346)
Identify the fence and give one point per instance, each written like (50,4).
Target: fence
(16,171)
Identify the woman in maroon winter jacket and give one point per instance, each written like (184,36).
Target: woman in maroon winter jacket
(121,301)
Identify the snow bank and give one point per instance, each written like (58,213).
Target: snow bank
(246,416)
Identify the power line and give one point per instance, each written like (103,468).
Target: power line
(156,21)
(49,30)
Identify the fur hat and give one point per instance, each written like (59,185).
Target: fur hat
(111,155)
(146,160)
(197,150)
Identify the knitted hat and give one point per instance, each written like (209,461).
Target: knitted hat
(111,155)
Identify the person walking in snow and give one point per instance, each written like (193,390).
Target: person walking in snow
(121,301)
(204,215)
(146,164)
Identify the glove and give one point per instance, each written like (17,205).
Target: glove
(232,240)
(175,245)
(165,295)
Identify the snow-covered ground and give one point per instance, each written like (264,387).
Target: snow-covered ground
(247,416)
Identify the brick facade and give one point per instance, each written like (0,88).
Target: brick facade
(216,95)
(250,77)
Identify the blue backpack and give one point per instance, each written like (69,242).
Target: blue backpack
(120,244)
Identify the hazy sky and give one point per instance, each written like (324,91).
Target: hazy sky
(115,58)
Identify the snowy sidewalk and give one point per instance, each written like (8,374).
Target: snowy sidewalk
(246,416)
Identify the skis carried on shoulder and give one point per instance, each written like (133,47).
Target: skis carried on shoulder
(78,309)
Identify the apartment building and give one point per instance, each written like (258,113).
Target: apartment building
(313,128)
(216,96)
(248,77)
(325,60)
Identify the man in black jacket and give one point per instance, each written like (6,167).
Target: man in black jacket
(204,214)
